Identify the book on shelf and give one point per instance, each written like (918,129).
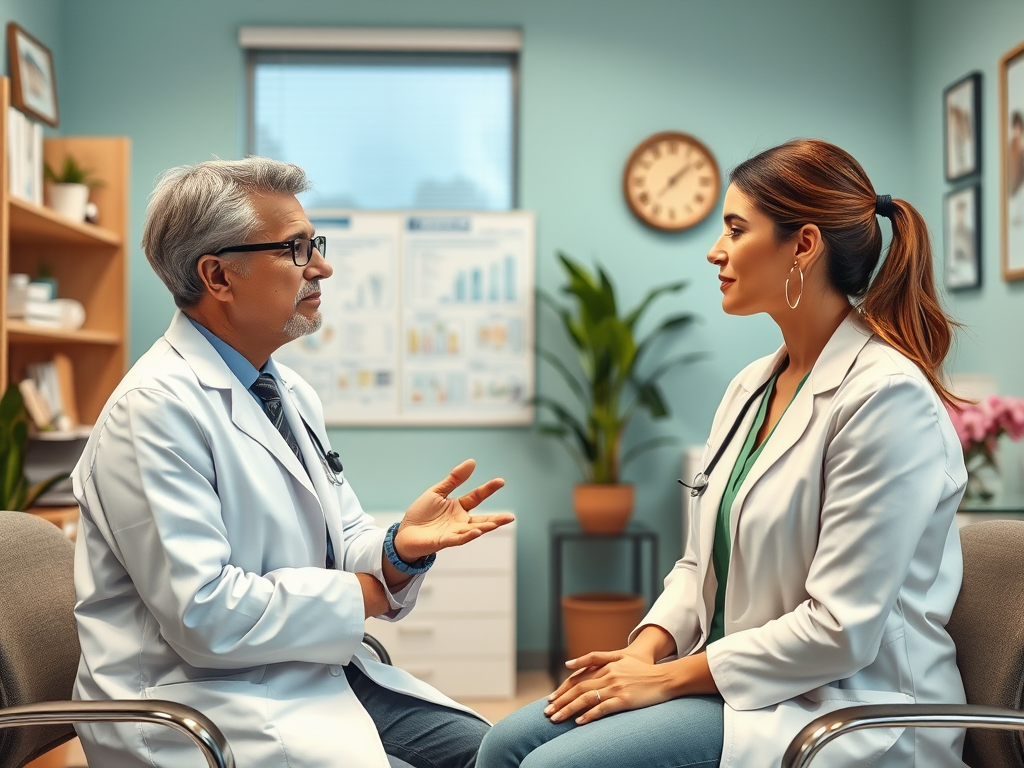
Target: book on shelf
(35,404)
(24,157)
(48,392)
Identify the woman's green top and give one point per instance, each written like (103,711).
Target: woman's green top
(721,551)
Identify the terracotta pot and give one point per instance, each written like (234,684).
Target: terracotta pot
(603,508)
(599,621)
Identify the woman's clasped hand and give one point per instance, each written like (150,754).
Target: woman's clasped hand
(606,682)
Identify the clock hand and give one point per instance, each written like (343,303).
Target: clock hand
(675,177)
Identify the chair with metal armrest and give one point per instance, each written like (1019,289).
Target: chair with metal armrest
(813,738)
(376,649)
(39,654)
(987,627)
(193,724)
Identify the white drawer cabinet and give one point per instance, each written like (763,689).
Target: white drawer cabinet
(461,635)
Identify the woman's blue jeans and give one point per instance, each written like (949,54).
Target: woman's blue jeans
(681,732)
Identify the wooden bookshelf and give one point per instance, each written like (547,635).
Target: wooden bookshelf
(88,261)
(31,224)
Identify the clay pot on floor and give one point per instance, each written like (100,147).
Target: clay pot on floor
(599,621)
(603,508)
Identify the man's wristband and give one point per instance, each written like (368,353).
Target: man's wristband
(420,566)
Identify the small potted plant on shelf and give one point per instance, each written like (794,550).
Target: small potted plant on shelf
(68,188)
(15,492)
(610,385)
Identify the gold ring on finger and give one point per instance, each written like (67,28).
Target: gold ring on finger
(598,695)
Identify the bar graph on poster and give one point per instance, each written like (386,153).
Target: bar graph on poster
(427,320)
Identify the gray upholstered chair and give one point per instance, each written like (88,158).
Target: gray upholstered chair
(39,654)
(987,626)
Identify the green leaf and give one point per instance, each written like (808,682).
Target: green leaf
(594,302)
(673,323)
(570,378)
(560,432)
(42,487)
(621,344)
(552,430)
(12,406)
(649,396)
(647,445)
(672,362)
(567,320)
(633,317)
(587,446)
(71,173)
(608,290)
(12,476)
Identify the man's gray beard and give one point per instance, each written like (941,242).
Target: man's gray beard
(299,325)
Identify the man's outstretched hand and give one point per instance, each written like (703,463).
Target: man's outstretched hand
(436,522)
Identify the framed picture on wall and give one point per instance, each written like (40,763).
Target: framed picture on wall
(1011,147)
(962,237)
(962,127)
(33,88)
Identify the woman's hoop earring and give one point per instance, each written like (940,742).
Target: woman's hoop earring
(795,304)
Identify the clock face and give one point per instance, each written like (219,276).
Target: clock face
(671,181)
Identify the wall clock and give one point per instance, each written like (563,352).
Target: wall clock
(671,181)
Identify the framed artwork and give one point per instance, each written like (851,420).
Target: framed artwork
(962,127)
(962,237)
(1011,147)
(34,90)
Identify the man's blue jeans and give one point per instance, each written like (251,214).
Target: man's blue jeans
(681,732)
(423,734)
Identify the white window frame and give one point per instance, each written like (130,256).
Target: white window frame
(383,41)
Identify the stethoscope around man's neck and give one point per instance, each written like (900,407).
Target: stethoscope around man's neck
(700,481)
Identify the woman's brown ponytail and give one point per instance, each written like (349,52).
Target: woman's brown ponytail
(813,182)
(901,305)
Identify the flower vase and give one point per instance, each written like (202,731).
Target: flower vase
(983,479)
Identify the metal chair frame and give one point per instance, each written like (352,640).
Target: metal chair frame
(820,732)
(994,692)
(196,726)
(206,735)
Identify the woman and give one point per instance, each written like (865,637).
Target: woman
(822,559)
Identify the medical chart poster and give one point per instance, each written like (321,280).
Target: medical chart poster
(353,360)
(428,319)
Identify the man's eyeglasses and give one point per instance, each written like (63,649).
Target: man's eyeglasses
(301,248)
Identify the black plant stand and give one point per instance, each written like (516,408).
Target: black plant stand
(563,531)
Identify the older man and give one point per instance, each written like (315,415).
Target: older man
(223,559)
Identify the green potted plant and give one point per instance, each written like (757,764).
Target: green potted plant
(69,188)
(611,385)
(15,492)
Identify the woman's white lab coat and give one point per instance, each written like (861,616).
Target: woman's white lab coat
(200,571)
(845,560)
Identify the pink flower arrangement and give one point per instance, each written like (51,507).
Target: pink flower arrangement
(980,425)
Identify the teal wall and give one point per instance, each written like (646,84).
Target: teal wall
(950,39)
(597,77)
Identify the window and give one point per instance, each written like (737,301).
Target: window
(408,129)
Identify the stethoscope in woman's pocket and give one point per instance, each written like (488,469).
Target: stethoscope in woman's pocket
(700,481)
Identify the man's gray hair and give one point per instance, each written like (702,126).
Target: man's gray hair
(199,209)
